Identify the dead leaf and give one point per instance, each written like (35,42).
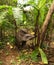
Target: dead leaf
(8,43)
(11,46)
(32,33)
(31,64)
(26,52)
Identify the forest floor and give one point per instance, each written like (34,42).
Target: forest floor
(10,56)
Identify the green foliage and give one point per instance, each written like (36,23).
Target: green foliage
(1,62)
(41,3)
(9,13)
(2,16)
(8,2)
(43,56)
(18,15)
(7,53)
(32,2)
(34,55)
(1,45)
(24,57)
(11,39)
(4,6)
(43,12)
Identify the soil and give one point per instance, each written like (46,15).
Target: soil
(10,56)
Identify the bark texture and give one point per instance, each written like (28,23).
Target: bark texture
(46,22)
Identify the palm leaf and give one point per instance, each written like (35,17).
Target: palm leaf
(43,56)
(41,3)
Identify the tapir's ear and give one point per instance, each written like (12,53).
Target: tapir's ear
(24,31)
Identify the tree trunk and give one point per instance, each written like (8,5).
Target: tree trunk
(46,22)
(1,33)
(15,31)
(37,34)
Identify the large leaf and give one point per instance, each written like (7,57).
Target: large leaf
(4,6)
(34,55)
(2,16)
(10,12)
(18,14)
(41,3)
(43,56)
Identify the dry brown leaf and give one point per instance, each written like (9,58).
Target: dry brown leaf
(26,52)
(31,64)
(11,46)
(32,33)
(8,43)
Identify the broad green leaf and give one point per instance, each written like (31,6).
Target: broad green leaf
(25,22)
(43,56)
(14,0)
(10,11)
(41,3)
(18,14)
(34,55)
(2,16)
(1,62)
(43,12)
(32,2)
(4,6)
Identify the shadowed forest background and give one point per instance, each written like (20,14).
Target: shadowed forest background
(26,32)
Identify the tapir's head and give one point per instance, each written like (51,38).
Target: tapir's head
(25,36)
